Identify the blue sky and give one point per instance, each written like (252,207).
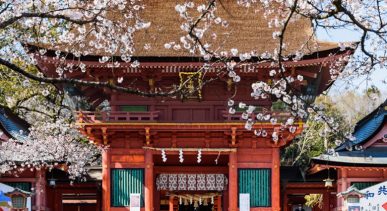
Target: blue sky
(376,77)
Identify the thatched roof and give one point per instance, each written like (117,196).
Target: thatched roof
(247,31)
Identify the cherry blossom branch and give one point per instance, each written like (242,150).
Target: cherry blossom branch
(48,16)
(109,85)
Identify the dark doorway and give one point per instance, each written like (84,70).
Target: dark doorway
(79,207)
(198,208)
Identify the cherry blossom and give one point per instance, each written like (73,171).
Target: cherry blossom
(50,145)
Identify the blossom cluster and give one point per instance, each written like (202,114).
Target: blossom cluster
(48,146)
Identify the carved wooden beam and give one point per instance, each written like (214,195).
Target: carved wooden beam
(90,135)
(147,136)
(104,136)
(174,140)
(233,136)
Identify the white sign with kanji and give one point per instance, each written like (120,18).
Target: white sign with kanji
(135,202)
(375,198)
(244,202)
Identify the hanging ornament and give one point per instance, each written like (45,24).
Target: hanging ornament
(199,155)
(212,199)
(163,156)
(196,205)
(185,202)
(205,203)
(180,200)
(181,159)
(200,200)
(190,200)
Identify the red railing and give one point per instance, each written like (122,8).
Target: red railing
(280,116)
(149,116)
(116,116)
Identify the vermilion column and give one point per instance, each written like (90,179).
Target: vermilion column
(106,179)
(233,182)
(344,185)
(148,180)
(171,203)
(219,201)
(326,201)
(275,180)
(285,206)
(40,186)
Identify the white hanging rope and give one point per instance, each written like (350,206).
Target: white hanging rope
(199,155)
(181,158)
(193,149)
(196,197)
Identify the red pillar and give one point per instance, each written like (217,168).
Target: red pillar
(156,200)
(285,205)
(40,198)
(343,174)
(275,180)
(326,201)
(148,180)
(106,180)
(219,201)
(233,182)
(171,203)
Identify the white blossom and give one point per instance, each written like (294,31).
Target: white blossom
(50,145)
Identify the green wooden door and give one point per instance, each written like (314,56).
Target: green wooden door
(256,182)
(123,183)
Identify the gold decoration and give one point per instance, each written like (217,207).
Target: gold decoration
(191,83)
(229,84)
(151,83)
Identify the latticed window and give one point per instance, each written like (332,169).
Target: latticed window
(125,182)
(257,183)
(353,199)
(134,108)
(18,202)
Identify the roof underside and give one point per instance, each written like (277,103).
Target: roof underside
(247,31)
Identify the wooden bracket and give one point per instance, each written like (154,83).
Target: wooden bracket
(233,136)
(151,77)
(148,133)
(88,131)
(174,141)
(104,136)
(147,136)
(90,135)
(229,84)
(151,83)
